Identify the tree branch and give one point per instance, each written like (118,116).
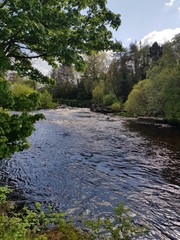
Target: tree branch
(3,4)
(28,57)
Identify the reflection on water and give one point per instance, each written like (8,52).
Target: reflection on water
(85,163)
(165,142)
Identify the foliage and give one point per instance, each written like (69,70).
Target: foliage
(25,97)
(45,100)
(159,94)
(98,93)
(97,65)
(137,102)
(33,224)
(38,224)
(155,52)
(21,88)
(6,96)
(109,99)
(3,194)
(24,102)
(157,97)
(127,68)
(53,30)
(171,94)
(116,107)
(14,129)
(65,86)
(118,227)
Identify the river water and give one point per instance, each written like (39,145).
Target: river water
(85,163)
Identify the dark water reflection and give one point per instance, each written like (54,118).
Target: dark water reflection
(165,143)
(84,163)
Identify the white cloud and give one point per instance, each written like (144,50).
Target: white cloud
(170,3)
(160,37)
(42,66)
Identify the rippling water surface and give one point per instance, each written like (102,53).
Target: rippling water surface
(85,164)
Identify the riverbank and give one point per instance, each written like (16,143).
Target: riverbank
(47,224)
(144,119)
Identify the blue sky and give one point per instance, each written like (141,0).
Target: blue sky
(149,19)
(142,20)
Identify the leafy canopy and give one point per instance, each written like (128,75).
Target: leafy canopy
(53,30)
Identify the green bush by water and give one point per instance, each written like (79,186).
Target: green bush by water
(47,224)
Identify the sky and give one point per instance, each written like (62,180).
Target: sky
(141,20)
(146,20)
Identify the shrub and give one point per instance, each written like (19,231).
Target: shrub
(34,224)
(49,225)
(118,227)
(116,107)
(109,99)
(45,100)
(25,97)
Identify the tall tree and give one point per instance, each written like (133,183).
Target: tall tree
(159,95)
(96,68)
(155,52)
(65,78)
(120,74)
(55,31)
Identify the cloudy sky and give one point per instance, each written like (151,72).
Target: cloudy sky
(142,20)
(146,20)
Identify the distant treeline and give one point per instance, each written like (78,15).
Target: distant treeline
(145,80)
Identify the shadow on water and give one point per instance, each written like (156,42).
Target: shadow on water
(167,141)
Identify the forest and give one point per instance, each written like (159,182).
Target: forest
(139,80)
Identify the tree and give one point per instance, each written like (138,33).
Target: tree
(98,93)
(139,61)
(155,52)
(137,102)
(55,31)
(159,95)
(6,96)
(96,68)
(120,74)
(66,79)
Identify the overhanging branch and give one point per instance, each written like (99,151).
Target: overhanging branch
(28,57)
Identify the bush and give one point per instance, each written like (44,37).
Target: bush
(117,227)
(46,101)
(116,107)
(25,97)
(109,99)
(49,225)
(34,224)
(26,103)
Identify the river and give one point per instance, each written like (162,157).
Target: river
(85,163)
